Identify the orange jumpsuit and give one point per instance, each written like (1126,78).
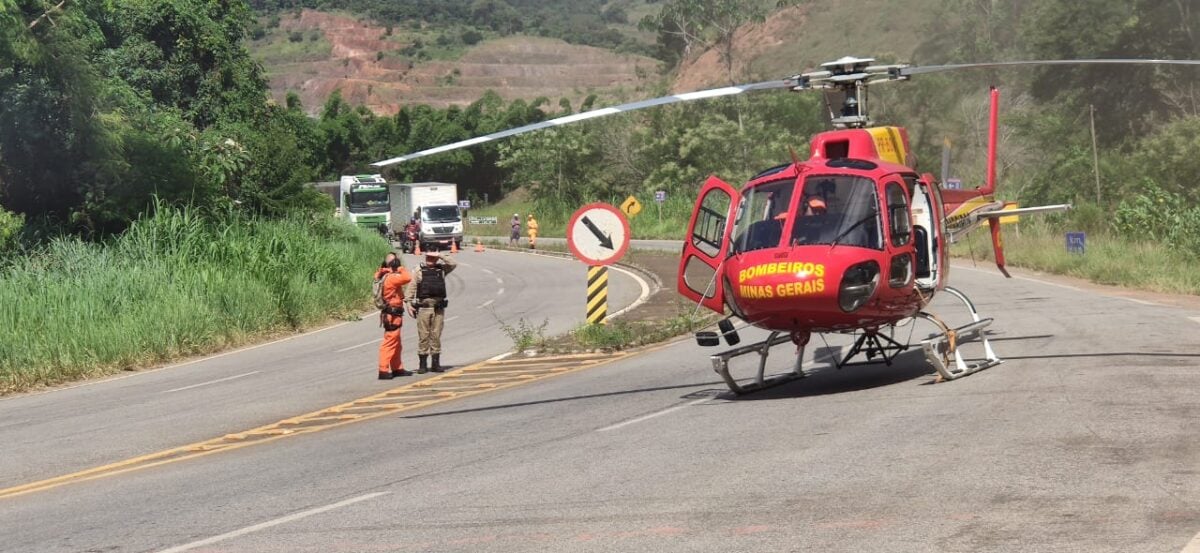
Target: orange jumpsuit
(393,293)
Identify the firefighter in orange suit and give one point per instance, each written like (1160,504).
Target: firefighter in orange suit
(426,298)
(392,318)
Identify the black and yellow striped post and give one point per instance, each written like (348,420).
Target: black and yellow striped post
(597,295)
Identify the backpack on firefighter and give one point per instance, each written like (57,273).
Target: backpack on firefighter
(377,292)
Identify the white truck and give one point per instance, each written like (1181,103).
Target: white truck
(366,201)
(435,206)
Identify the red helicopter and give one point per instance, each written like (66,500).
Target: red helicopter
(853,240)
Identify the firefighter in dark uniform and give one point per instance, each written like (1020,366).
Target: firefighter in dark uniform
(426,297)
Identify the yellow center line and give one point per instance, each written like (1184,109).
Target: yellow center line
(483,377)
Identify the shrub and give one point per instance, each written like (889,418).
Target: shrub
(471,37)
(10,230)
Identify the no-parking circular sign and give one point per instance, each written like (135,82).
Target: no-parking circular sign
(598,234)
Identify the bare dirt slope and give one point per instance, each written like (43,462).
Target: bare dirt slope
(515,67)
(798,39)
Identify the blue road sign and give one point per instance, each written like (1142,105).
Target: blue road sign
(1076,242)
(660,196)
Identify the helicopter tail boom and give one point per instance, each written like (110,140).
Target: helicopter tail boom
(993,126)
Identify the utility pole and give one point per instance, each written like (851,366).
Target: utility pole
(945,159)
(1095,154)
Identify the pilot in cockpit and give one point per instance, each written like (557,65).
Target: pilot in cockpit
(813,220)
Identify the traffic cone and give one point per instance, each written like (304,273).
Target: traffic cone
(478,245)
(417,248)
(453,246)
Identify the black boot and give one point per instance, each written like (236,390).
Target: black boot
(424,368)
(437,363)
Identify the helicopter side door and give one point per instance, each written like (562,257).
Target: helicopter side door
(902,236)
(706,244)
(928,233)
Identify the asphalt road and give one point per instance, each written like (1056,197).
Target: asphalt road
(1084,439)
(62,431)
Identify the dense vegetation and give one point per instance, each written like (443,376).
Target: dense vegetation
(1147,118)
(119,102)
(153,203)
(589,22)
(172,285)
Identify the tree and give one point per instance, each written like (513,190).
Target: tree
(51,139)
(1150,29)
(703,24)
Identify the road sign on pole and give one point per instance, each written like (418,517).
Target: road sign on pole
(1076,242)
(598,234)
(660,196)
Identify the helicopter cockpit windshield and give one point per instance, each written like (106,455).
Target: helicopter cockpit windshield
(837,210)
(762,216)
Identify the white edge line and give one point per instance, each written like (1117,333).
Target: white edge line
(489,271)
(1135,300)
(1195,320)
(451,318)
(485,304)
(1027,279)
(652,415)
(226,379)
(184,364)
(375,341)
(641,282)
(270,523)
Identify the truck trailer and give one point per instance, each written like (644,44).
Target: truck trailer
(435,206)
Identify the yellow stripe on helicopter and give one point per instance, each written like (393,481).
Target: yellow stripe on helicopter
(888,144)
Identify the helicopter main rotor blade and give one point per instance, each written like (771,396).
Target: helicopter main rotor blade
(952,67)
(584,116)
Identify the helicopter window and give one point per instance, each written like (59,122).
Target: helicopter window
(710,222)
(901,271)
(762,215)
(897,205)
(700,277)
(837,210)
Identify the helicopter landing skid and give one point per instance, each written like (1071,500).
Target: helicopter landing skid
(720,363)
(943,351)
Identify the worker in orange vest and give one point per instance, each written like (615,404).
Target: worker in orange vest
(392,318)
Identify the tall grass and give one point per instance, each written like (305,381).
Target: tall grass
(174,285)
(1109,257)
